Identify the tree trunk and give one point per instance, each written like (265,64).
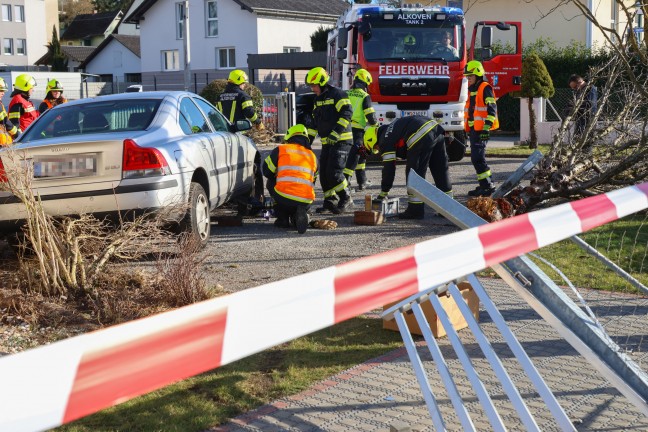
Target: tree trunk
(533,139)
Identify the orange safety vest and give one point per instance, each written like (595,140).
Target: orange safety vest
(54,102)
(296,168)
(480,112)
(30,113)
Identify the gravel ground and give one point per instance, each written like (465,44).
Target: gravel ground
(258,253)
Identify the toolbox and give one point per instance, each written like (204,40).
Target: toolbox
(388,207)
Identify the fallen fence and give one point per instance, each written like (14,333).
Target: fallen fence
(55,384)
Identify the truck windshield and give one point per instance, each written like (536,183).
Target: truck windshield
(415,43)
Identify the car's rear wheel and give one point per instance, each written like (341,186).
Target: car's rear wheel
(196,223)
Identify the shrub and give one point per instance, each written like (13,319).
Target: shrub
(213,90)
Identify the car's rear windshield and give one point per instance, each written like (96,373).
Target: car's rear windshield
(94,117)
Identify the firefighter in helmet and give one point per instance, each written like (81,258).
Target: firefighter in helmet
(235,103)
(291,169)
(417,139)
(331,120)
(8,131)
(363,114)
(480,117)
(21,110)
(53,97)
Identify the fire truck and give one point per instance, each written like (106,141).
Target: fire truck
(417,56)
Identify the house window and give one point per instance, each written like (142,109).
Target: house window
(179,20)
(133,77)
(7,46)
(226,58)
(170,60)
(87,42)
(19,13)
(211,17)
(291,49)
(21,46)
(6,12)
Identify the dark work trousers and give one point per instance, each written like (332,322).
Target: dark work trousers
(284,208)
(439,167)
(478,157)
(332,162)
(418,159)
(356,159)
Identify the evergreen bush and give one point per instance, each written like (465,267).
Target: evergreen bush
(213,90)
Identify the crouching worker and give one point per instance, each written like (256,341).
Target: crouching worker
(291,169)
(416,139)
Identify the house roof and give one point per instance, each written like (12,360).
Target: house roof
(74,53)
(313,9)
(132,43)
(88,25)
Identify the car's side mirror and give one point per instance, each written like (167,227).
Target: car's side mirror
(242,125)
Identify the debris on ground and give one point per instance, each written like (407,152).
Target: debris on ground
(324,224)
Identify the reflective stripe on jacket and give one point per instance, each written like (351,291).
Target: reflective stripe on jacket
(484,109)
(22,112)
(363,110)
(296,170)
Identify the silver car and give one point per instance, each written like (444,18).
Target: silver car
(135,152)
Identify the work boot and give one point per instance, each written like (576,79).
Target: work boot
(413,211)
(482,191)
(282,218)
(301,219)
(345,204)
(329,205)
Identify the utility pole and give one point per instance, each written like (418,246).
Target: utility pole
(187,48)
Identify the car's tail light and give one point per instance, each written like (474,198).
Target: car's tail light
(143,161)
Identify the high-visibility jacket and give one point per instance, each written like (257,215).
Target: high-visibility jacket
(8,130)
(22,112)
(236,105)
(331,116)
(50,103)
(481,108)
(295,167)
(363,110)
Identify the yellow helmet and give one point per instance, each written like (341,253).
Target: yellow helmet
(364,76)
(409,40)
(238,77)
(371,138)
(25,82)
(296,130)
(53,85)
(317,76)
(3,85)
(474,67)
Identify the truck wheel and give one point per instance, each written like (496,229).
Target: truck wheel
(196,223)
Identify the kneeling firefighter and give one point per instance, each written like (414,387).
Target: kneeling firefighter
(291,169)
(416,139)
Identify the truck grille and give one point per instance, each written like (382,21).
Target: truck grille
(405,85)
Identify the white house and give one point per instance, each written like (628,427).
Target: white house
(116,59)
(222,33)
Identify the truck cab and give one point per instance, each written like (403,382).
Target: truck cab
(417,56)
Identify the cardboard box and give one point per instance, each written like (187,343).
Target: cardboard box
(449,305)
(367,217)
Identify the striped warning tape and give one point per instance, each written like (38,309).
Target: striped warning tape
(55,384)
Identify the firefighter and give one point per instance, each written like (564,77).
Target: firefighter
(291,169)
(331,120)
(417,139)
(235,103)
(480,117)
(8,131)
(53,97)
(363,113)
(21,111)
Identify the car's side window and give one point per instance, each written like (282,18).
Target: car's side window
(191,119)
(217,120)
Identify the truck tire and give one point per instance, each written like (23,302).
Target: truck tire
(196,222)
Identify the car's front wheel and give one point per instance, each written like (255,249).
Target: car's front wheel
(196,222)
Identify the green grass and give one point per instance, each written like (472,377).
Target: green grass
(214,397)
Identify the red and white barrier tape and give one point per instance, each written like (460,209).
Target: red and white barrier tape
(55,384)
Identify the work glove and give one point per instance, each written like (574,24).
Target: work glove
(362,151)
(260,126)
(484,136)
(332,138)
